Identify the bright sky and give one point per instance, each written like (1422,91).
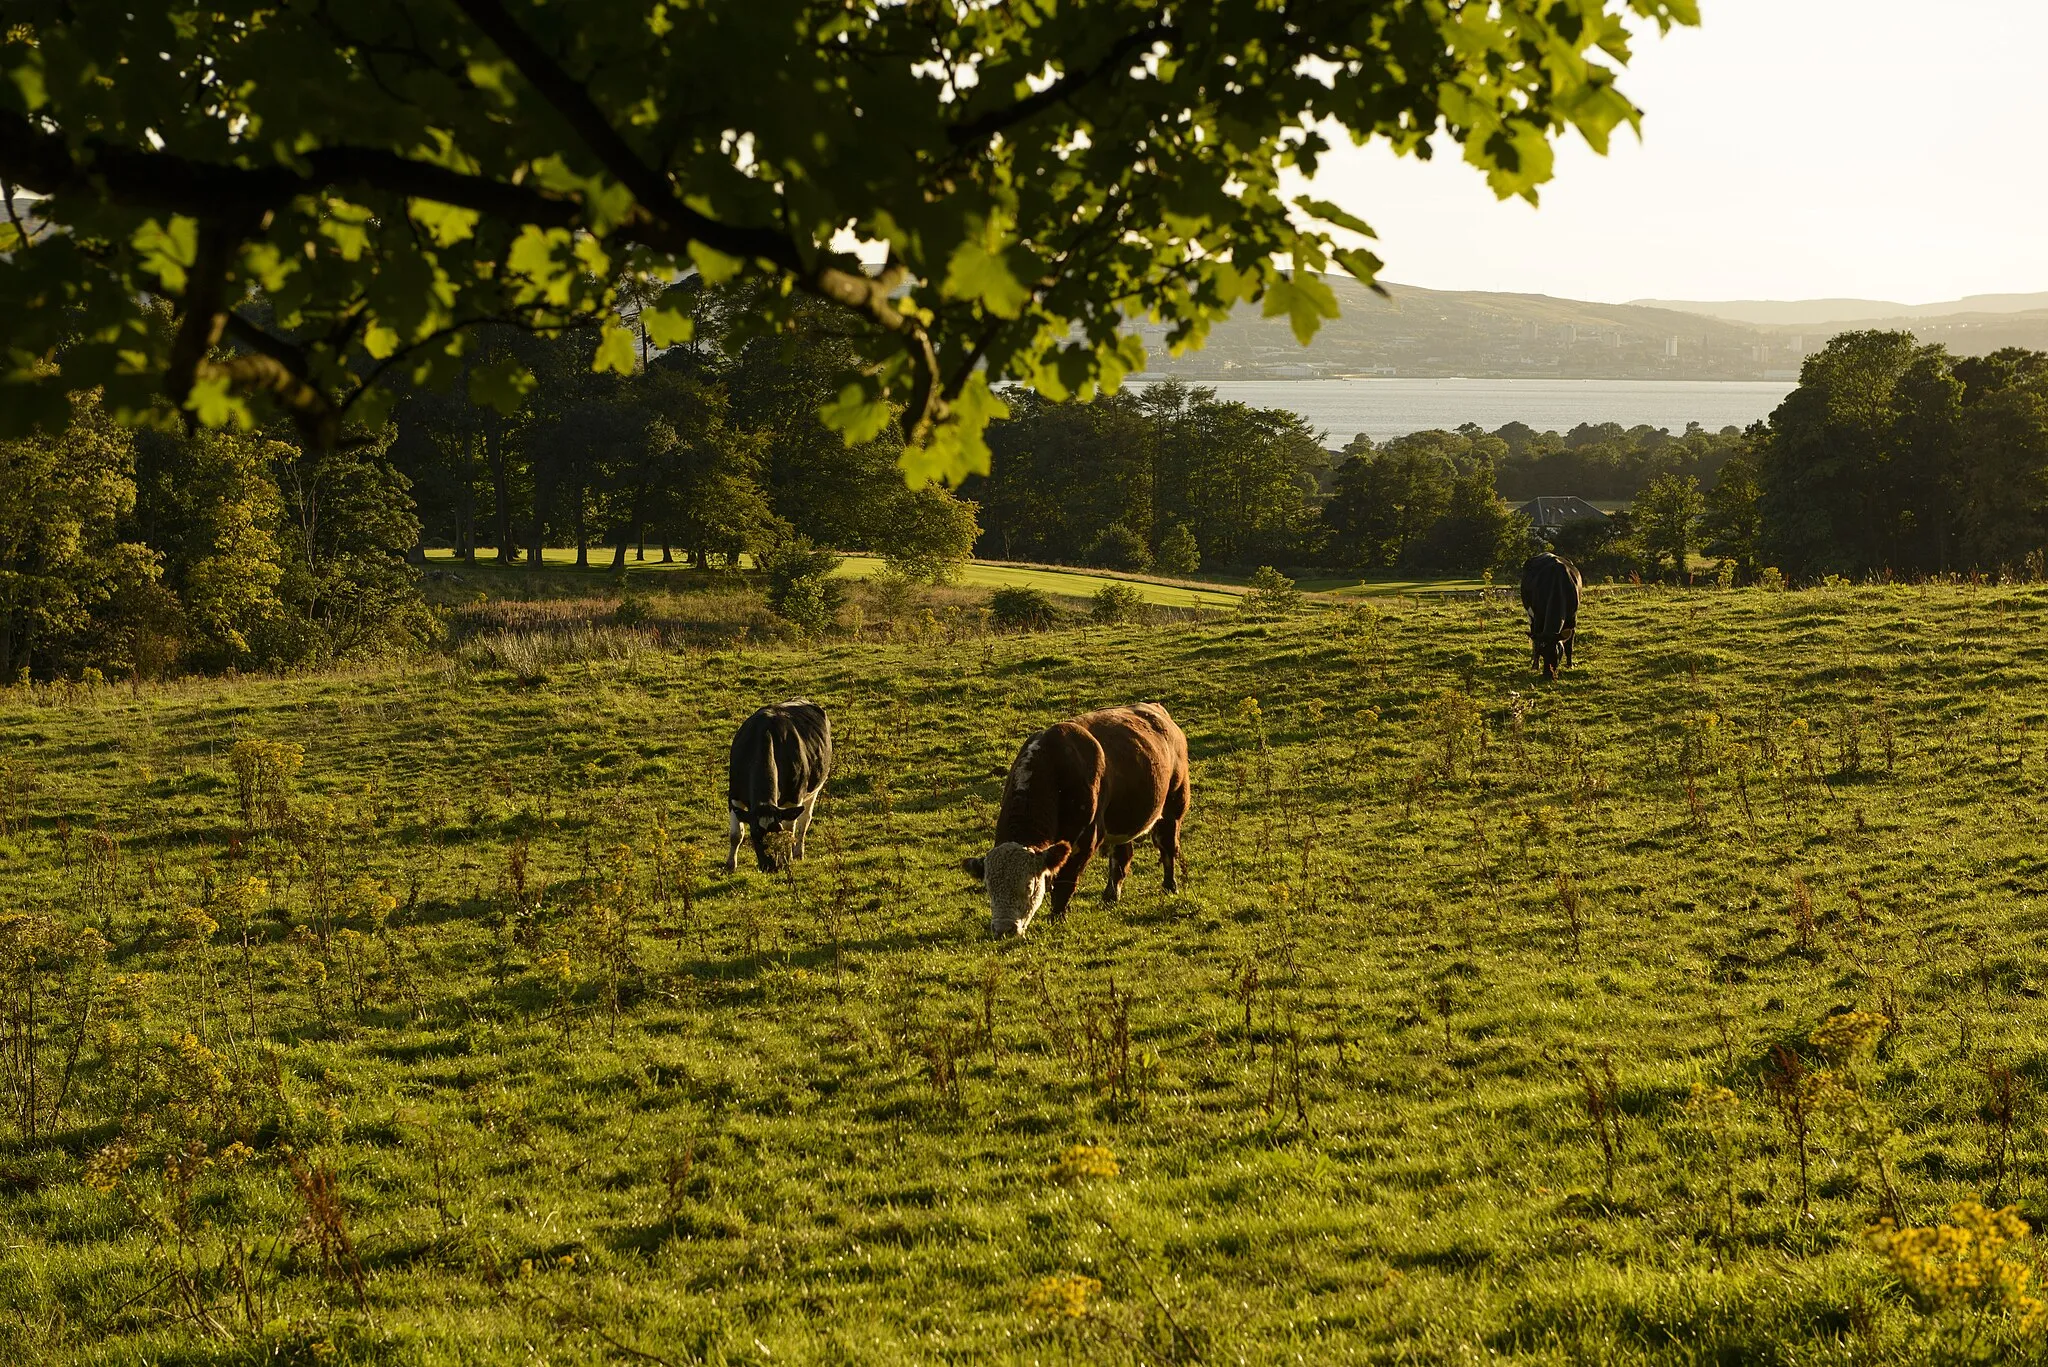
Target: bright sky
(1791,149)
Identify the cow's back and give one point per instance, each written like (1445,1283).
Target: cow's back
(780,754)
(1550,594)
(1108,773)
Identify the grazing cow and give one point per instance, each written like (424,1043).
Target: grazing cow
(1550,599)
(1105,779)
(781,757)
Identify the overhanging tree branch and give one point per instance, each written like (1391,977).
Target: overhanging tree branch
(657,197)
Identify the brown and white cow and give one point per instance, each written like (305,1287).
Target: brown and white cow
(1106,779)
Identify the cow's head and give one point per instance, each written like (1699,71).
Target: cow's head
(768,828)
(1017,878)
(1549,654)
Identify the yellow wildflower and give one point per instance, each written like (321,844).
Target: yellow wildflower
(1065,1296)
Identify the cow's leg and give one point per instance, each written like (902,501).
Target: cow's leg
(1571,635)
(732,836)
(1069,877)
(1166,835)
(1119,865)
(803,825)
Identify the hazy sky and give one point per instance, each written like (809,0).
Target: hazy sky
(1886,149)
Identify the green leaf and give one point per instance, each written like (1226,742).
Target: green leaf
(667,327)
(1334,213)
(1305,300)
(28,79)
(959,445)
(380,341)
(536,254)
(715,266)
(215,406)
(859,413)
(1363,266)
(267,265)
(446,224)
(983,276)
(614,350)
(167,252)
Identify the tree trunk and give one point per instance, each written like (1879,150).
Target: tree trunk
(582,534)
(540,522)
(494,451)
(668,554)
(630,527)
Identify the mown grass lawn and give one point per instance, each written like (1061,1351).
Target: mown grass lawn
(456,1047)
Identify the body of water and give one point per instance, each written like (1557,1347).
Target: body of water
(1383,408)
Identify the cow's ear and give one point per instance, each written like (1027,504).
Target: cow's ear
(1056,854)
(976,866)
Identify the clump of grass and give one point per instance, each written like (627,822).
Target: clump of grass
(529,655)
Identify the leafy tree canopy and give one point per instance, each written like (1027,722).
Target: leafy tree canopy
(330,195)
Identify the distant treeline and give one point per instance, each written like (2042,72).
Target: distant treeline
(140,552)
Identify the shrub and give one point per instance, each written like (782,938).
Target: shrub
(1117,603)
(1021,609)
(929,535)
(1272,594)
(1178,553)
(801,589)
(1117,547)
(891,594)
(810,604)
(635,609)
(1770,577)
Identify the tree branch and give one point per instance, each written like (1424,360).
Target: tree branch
(972,134)
(656,193)
(648,184)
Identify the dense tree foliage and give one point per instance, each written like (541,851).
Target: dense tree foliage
(391,174)
(131,553)
(1896,457)
(1116,481)
(1607,461)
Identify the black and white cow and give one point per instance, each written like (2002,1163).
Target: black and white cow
(781,757)
(1550,598)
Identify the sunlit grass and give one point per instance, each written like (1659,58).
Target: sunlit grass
(1428,1063)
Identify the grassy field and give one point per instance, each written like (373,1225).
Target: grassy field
(401,1015)
(1217,590)
(1066,583)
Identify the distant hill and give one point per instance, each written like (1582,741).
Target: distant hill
(1469,333)
(1816,312)
(1421,332)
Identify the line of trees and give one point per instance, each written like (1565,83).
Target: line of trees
(137,551)
(1891,457)
(707,451)
(133,551)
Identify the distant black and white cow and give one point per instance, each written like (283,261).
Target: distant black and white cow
(1550,598)
(781,757)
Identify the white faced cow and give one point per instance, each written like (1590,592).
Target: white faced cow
(1550,600)
(781,757)
(1105,779)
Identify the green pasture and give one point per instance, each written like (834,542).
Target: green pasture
(1211,591)
(402,1015)
(979,574)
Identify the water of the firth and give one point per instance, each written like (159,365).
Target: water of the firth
(1383,408)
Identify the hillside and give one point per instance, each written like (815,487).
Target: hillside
(1422,332)
(402,1015)
(1841,312)
(1440,333)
